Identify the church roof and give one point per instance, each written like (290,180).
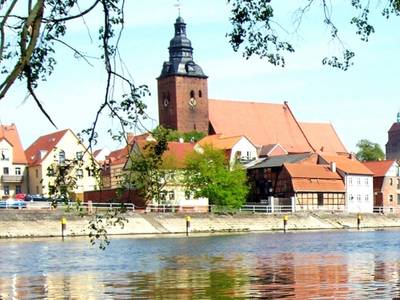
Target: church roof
(323,137)
(262,123)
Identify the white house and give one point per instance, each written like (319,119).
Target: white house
(358,180)
(237,148)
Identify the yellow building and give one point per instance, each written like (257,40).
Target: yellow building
(58,149)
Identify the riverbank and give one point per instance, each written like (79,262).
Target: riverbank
(45,223)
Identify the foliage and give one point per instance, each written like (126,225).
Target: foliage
(175,135)
(208,175)
(146,169)
(256,29)
(369,151)
(32,31)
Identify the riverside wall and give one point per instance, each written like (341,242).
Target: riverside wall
(25,223)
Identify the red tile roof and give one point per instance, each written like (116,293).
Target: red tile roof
(308,170)
(118,156)
(262,123)
(314,178)
(10,133)
(218,141)
(379,168)
(347,165)
(272,150)
(44,143)
(323,137)
(177,153)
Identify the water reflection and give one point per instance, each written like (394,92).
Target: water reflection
(148,271)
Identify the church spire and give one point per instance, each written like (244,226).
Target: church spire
(398,117)
(181,55)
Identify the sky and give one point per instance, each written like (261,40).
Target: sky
(361,103)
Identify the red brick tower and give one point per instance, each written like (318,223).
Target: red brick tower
(182,87)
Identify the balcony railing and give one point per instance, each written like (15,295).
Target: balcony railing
(12,178)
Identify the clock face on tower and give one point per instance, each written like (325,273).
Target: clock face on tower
(192,103)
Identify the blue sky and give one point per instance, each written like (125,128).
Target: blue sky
(361,103)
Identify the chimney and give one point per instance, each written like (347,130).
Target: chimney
(333,166)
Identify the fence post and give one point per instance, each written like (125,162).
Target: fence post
(271,202)
(293,203)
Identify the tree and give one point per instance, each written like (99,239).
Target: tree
(147,170)
(208,175)
(369,151)
(258,32)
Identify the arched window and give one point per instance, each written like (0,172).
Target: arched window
(192,94)
(200,94)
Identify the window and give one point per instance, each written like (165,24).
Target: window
(37,174)
(91,172)
(61,157)
(391,181)
(171,195)
(398,184)
(350,180)
(366,181)
(6,190)
(79,155)
(37,190)
(391,198)
(79,173)
(17,171)
(366,198)
(358,197)
(6,171)
(320,199)
(191,94)
(187,195)
(398,199)
(358,181)
(18,189)
(200,94)
(248,154)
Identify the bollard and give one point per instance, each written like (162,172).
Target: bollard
(187,225)
(285,220)
(63,226)
(359,218)
(90,207)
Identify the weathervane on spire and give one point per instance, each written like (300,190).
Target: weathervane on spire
(178,5)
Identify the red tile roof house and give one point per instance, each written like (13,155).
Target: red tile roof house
(358,180)
(56,148)
(174,194)
(386,185)
(13,163)
(236,148)
(312,187)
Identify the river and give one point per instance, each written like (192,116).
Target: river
(300,265)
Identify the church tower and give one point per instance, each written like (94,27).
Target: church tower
(182,87)
(393,144)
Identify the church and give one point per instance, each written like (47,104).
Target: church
(184,105)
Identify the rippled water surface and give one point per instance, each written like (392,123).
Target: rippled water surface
(312,265)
